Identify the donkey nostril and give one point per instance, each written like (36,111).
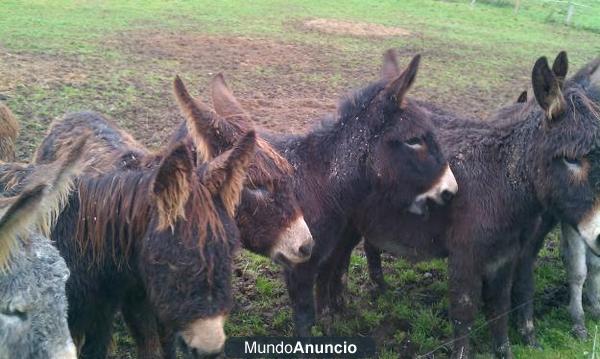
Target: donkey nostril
(305,249)
(447,196)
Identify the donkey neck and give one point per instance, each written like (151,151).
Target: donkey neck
(330,166)
(502,151)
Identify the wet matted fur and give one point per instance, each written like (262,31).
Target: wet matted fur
(153,237)
(380,140)
(270,219)
(542,161)
(33,303)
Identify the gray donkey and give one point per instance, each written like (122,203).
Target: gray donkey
(33,304)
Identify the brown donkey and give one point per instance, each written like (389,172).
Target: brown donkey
(270,219)
(542,161)
(379,140)
(151,234)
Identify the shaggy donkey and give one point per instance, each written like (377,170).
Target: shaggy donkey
(579,250)
(9,130)
(380,140)
(33,303)
(270,220)
(511,173)
(154,237)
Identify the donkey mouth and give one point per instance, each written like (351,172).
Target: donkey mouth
(442,192)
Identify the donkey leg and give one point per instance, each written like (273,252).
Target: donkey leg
(522,299)
(93,329)
(333,274)
(573,254)
(375,268)
(523,288)
(167,341)
(593,285)
(496,298)
(464,291)
(330,286)
(300,284)
(140,320)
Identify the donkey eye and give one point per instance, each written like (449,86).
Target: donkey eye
(572,161)
(414,143)
(14,313)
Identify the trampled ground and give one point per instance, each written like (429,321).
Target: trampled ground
(289,63)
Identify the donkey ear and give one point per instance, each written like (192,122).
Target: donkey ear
(171,185)
(522,97)
(225,175)
(561,66)
(17,214)
(390,68)
(224,101)
(546,88)
(204,126)
(402,83)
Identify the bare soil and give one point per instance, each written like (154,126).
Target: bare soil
(360,29)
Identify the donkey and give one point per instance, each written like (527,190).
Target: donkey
(270,219)
(579,251)
(511,173)
(154,237)
(380,140)
(9,130)
(33,303)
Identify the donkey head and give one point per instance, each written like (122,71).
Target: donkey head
(269,218)
(186,256)
(567,156)
(405,158)
(33,303)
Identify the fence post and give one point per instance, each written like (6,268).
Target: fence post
(570,12)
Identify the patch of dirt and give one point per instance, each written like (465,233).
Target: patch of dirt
(270,76)
(42,71)
(360,29)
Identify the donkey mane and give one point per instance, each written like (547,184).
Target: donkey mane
(582,103)
(116,209)
(349,108)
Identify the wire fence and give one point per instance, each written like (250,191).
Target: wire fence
(584,14)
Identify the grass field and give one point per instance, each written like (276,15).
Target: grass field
(120,58)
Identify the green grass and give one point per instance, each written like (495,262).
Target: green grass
(60,56)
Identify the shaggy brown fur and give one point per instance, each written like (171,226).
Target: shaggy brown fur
(269,205)
(9,130)
(152,238)
(42,195)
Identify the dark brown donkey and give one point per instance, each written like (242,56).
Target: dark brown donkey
(380,140)
(270,219)
(544,160)
(151,233)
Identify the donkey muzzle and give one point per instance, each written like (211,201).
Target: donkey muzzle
(66,352)
(295,244)
(441,192)
(206,336)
